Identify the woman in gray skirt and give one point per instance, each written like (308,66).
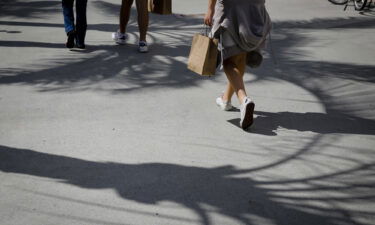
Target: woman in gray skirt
(242,27)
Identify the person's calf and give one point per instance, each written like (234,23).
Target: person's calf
(241,94)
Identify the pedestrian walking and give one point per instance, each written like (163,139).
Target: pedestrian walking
(76,32)
(120,36)
(241,27)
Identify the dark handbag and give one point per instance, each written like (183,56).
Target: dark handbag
(163,7)
(254,59)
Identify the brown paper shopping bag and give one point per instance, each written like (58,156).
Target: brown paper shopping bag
(203,55)
(163,7)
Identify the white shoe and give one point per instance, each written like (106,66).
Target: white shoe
(247,111)
(142,47)
(225,106)
(119,38)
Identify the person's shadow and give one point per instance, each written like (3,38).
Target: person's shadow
(236,197)
(267,123)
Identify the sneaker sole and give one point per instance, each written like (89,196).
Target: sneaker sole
(142,51)
(248,120)
(120,43)
(225,109)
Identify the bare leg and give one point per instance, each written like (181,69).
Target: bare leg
(125,14)
(228,93)
(142,18)
(234,68)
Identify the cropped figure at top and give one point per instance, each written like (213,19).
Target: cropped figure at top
(76,32)
(242,27)
(120,36)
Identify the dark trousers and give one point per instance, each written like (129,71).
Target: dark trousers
(81,22)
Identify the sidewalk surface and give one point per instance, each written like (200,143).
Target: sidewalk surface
(110,136)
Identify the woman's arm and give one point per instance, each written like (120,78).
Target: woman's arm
(210,12)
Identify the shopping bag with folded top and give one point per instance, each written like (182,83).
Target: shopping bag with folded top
(203,55)
(163,7)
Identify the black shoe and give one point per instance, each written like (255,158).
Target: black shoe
(70,41)
(81,46)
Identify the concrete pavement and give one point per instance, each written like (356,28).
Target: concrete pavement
(110,136)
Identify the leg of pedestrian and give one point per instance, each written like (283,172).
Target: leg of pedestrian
(143,20)
(234,68)
(229,91)
(125,14)
(81,24)
(120,35)
(67,6)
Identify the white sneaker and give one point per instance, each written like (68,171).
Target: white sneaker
(119,38)
(226,106)
(247,111)
(142,47)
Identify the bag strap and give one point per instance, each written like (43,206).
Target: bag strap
(205,30)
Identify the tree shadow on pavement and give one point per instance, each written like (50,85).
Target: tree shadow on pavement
(242,199)
(345,90)
(28,9)
(267,123)
(321,123)
(120,69)
(163,66)
(118,64)
(247,200)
